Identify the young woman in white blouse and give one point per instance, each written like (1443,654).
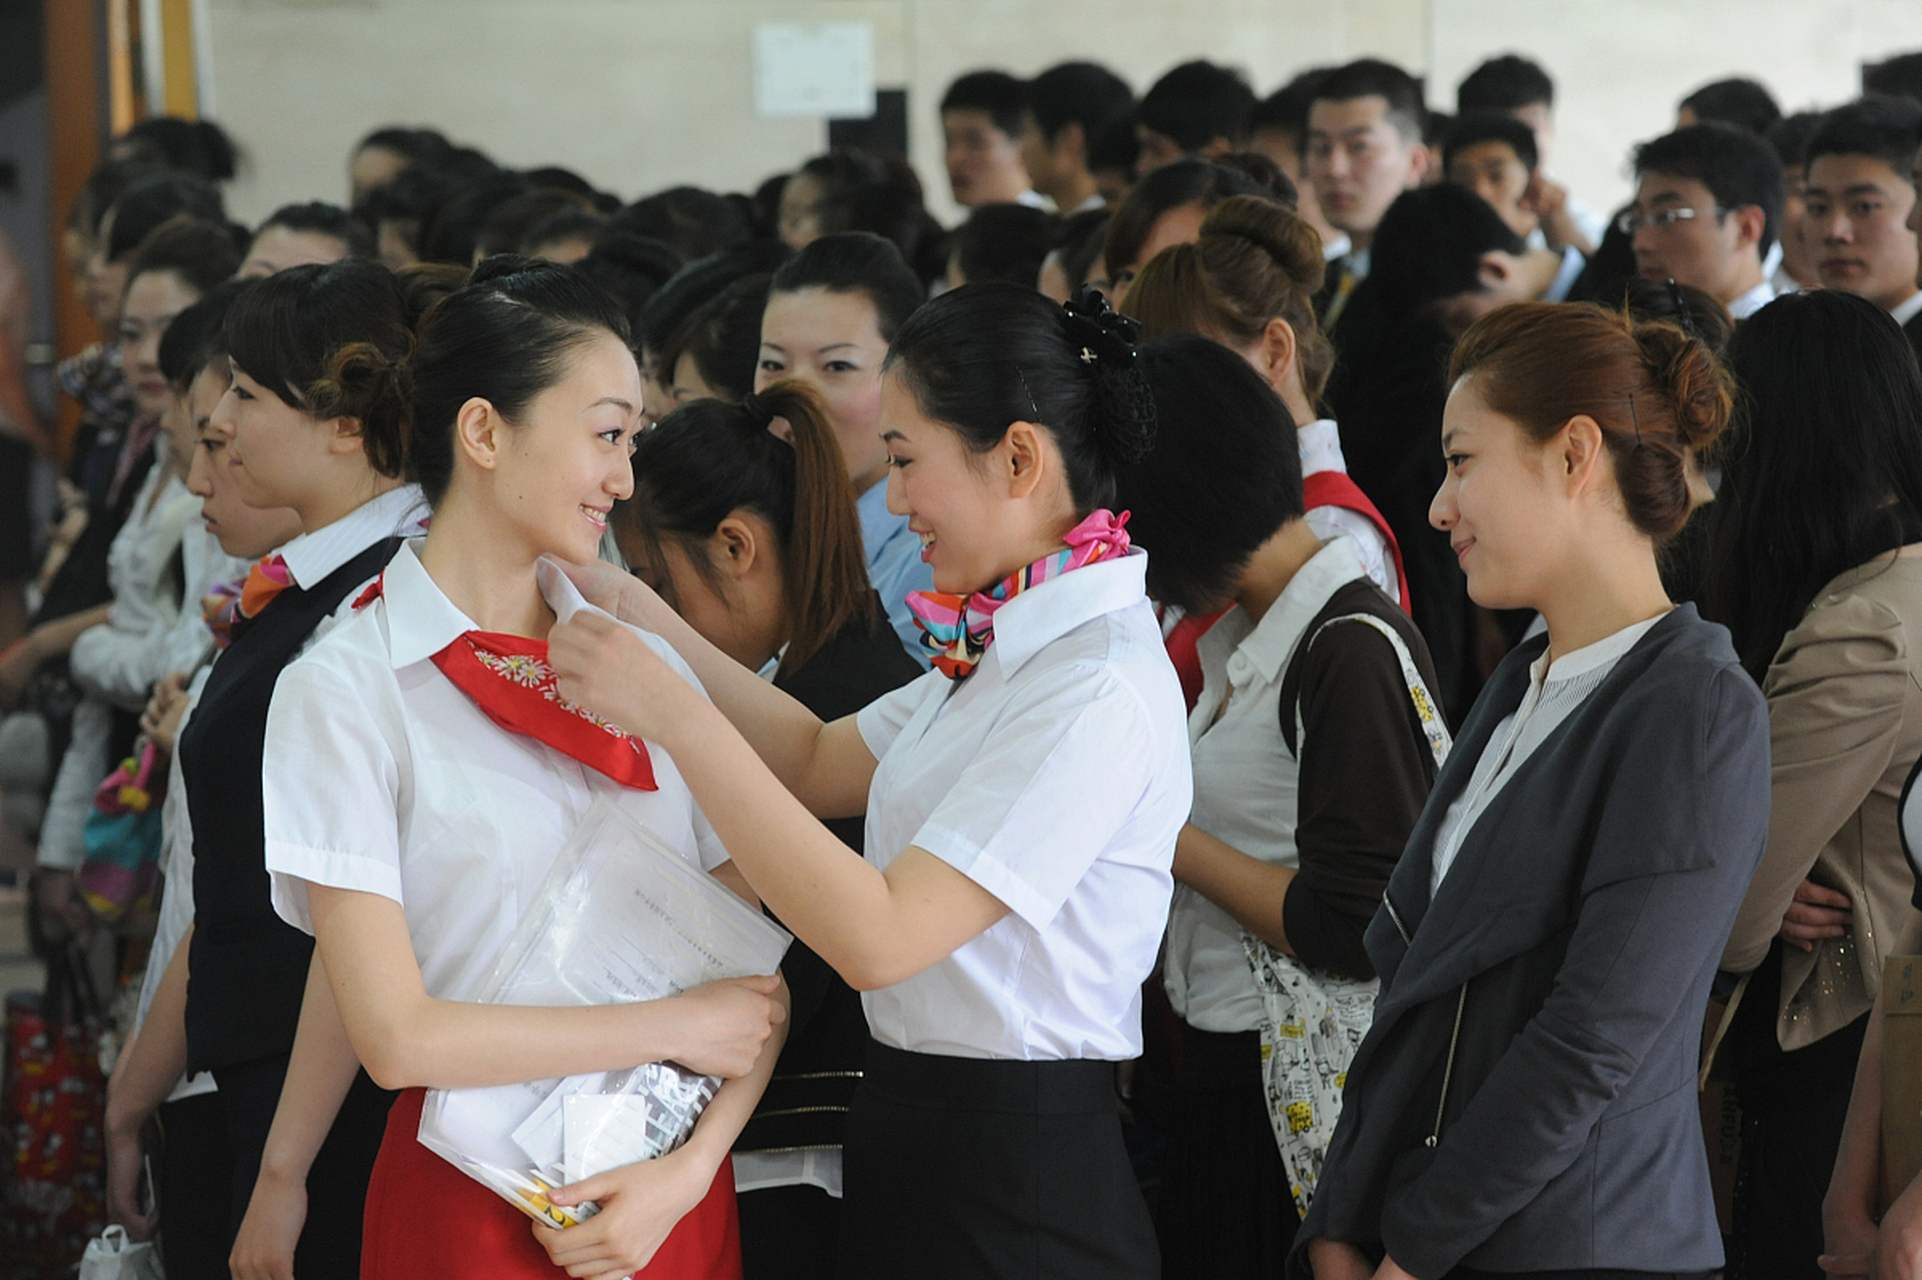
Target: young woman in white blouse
(1022,800)
(1525,1099)
(420,779)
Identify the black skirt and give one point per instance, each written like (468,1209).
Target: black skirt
(1226,1211)
(990,1170)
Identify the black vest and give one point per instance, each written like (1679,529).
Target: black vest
(247,967)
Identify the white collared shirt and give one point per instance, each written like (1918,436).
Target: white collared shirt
(382,776)
(1555,690)
(1246,782)
(1056,777)
(1320,444)
(312,556)
(1906,310)
(1752,301)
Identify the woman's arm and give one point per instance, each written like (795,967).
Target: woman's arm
(48,640)
(147,1072)
(640,1203)
(1848,1210)
(1250,890)
(1835,695)
(319,1074)
(875,927)
(828,767)
(407,1038)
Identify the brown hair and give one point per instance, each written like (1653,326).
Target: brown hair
(1658,394)
(1254,262)
(709,458)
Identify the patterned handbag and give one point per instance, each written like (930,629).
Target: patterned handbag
(1312,1022)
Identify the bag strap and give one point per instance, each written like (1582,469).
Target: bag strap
(1427,713)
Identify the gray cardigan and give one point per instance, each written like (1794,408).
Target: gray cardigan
(1568,955)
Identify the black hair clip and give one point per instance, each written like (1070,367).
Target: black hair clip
(1683,316)
(1102,334)
(757,410)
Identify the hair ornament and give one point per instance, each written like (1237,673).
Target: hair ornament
(1103,335)
(757,410)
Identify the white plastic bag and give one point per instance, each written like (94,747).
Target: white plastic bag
(621,918)
(114,1257)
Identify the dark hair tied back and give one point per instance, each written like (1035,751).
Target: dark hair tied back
(757,410)
(1099,330)
(1104,341)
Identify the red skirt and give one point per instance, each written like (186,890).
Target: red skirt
(427,1218)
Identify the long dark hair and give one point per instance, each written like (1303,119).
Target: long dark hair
(709,458)
(1825,472)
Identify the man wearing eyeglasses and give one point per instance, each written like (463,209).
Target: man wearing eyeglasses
(1708,203)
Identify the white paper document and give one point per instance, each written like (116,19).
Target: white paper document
(621,918)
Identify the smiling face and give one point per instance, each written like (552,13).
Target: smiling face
(242,531)
(832,342)
(1497,503)
(942,487)
(556,473)
(153,299)
(1855,211)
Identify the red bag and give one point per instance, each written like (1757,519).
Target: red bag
(53,1108)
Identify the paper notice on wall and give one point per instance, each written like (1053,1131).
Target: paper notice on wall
(814,68)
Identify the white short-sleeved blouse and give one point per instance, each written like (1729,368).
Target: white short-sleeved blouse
(380,775)
(1056,777)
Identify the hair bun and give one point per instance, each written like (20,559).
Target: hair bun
(1696,383)
(1105,336)
(1291,242)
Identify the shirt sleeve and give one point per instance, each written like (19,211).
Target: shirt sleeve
(1365,772)
(881,721)
(1051,787)
(330,789)
(1835,694)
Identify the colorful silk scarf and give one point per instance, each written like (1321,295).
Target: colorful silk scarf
(238,601)
(957,630)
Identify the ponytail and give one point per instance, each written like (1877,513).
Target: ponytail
(708,459)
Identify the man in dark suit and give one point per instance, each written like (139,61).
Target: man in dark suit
(1859,202)
(1365,148)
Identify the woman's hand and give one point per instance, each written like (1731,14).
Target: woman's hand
(18,662)
(607,588)
(1898,1249)
(264,1246)
(640,1203)
(726,1024)
(165,710)
(1816,913)
(1338,1260)
(125,1159)
(613,673)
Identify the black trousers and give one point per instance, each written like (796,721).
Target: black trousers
(329,1247)
(789,1233)
(968,1169)
(1225,1209)
(196,1222)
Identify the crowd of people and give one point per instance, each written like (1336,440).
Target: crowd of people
(1298,687)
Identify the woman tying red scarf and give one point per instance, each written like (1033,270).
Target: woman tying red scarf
(422,772)
(1022,800)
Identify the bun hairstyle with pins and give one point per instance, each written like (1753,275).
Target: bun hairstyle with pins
(1658,394)
(985,356)
(331,340)
(1254,262)
(505,337)
(709,458)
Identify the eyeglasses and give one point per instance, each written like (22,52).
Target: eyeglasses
(1629,221)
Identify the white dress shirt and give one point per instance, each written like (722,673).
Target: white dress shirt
(380,775)
(1246,783)
(312,556)
(1320,444)
(1555,690)
(1056,777)
(1906,310)
(1753,301)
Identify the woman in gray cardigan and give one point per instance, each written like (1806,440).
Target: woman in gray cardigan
(1525,1101)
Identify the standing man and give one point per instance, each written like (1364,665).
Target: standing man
(1708,201)
(1365,148)
(981,119)
(1069,106)
(1858,200)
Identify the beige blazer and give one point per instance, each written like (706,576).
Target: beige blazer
(1845,727)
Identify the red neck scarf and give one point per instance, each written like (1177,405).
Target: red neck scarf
(509,678)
